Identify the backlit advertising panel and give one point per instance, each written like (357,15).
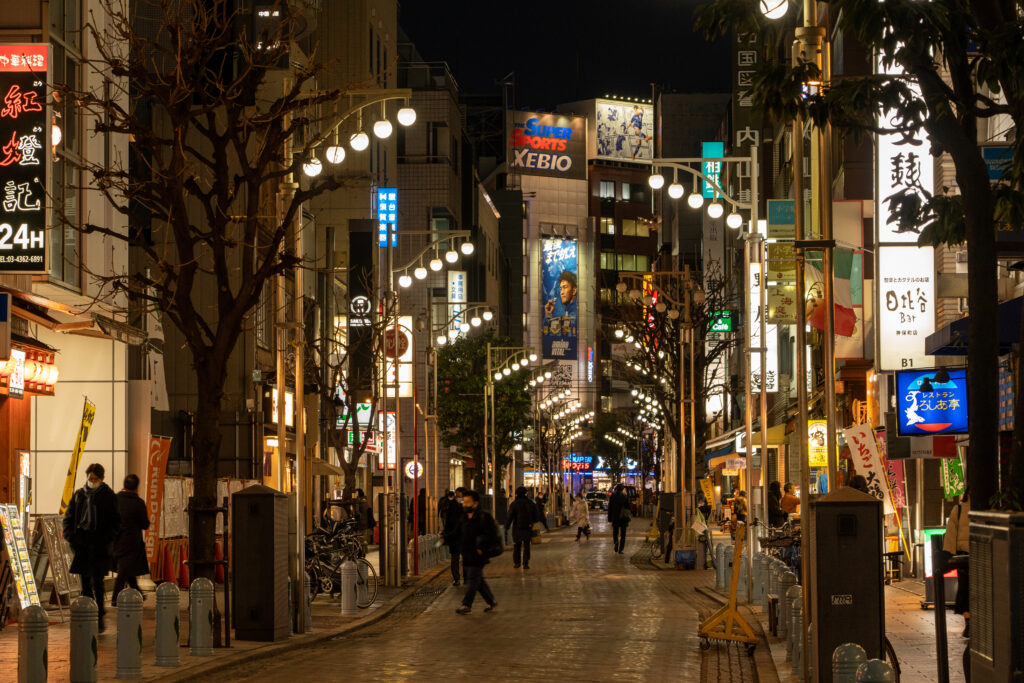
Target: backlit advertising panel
(552,145)
(928,406)
(906,306)
(625,131)
(560,293)
(24,155)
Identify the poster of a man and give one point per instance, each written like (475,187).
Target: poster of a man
(560,289)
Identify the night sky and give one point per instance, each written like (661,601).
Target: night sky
(567,50)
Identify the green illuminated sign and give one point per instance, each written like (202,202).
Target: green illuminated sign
(721,321)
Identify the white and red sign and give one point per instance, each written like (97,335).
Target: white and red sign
(868,463)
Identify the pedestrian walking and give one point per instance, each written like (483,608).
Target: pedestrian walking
(580,515)
(619,516)
(451,534)
(776,515)
(442,505)
(479,538)
(739,507)
(542,515)
(522,513)
(91,523)
(956,541)
(130,548)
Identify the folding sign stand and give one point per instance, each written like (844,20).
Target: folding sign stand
(727,623)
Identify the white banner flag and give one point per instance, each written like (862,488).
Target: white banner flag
(864,451)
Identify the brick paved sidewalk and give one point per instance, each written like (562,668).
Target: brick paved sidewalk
(327,622)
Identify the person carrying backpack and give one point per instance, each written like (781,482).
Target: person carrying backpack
(480,542)
(522,513)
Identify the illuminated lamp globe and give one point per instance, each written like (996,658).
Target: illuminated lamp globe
(695,200)
(634,392)
(774,9)
(56,135)
(540,379)
(436,264)
(619,333)
(515,367)
(497,375)
(547,374)
(636,344)
(406,116)
(359,141)
(383,129)
(451,256)
(312,167)
(507,371)
(673,314)
(715,209)
(420,273)
(467,248)
(533,358)
(488,316)
(405,281)
(441,340)
(734,220)
(675,190)
(453,333)
(533,382)
(464,327)
(656,181)
(475,321)
(335,154)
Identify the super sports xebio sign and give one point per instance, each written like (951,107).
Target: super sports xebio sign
(551,145)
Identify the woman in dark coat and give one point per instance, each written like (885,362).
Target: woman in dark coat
(130,548)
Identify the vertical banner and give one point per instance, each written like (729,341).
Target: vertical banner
(864,450)
(88,414)
(456,298)
(24,157)
(894,472)
(559,292)
(951,475)
(156,468)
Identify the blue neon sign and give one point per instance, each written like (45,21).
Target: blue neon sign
(387,216)
(926,406)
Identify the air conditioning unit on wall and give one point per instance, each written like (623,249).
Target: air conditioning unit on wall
(961,262)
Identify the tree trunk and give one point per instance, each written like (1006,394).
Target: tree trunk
(206,448)
(983,341)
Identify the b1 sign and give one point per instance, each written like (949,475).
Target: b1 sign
(906,306)
(24,157)
(940,410)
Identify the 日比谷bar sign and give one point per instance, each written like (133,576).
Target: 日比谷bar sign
(24,154)
(551,145)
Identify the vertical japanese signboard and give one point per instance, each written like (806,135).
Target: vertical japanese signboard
(906,306)
(24,142)
(864,451)
(771,370)
(905,312)
(387,216)
(16,551)
(560,292)
(711,169)
(456,298)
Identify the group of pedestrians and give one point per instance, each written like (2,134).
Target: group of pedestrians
(104,531)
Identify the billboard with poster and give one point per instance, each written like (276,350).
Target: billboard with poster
(624,130)
(560,298)
(552,145)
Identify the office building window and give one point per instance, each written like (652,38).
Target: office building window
(632,227)
(65,35)
(607,225)
(607,189)
(606,404)
(626,191)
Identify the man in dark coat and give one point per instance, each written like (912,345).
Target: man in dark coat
(478,534)
(618,515)
(451,534)
(522,513)
(130,548)
(91,523)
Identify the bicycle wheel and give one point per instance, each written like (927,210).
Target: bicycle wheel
(314,582)
(366,583)
(890,656)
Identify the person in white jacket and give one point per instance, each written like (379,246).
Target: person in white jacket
(956,541)
(580,515)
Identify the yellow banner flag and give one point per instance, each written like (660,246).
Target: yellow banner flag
(708,487)
(88,413)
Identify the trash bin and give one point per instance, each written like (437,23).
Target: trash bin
(259,544)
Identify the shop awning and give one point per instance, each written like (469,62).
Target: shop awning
(776,436)
(322,468)
(724,461)
(951,340)
(727,449)
(724,440)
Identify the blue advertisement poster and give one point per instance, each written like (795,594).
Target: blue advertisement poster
(928,405)
(560,292)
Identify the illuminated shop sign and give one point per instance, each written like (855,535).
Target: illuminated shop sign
(548,145)
(928,405)
(387,216)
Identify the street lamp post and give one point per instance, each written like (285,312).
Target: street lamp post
(512,359)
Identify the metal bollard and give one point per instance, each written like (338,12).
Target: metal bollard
(720,566)
(167,624)
(84,624)
(730,553)
(129,634)
(875,671)
(32,642)
(786,581)
(200,618)
(845,660)
(741,591)
(794,596)
(349,574)
(755,566)
(762,589)
(798,637)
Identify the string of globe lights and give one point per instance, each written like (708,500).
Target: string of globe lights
(696,198)
(421,267)
(473,316)
(650,410)
(540,378)
(519,361)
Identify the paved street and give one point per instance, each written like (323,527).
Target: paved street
(580,613)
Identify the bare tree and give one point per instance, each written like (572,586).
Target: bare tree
(221,117)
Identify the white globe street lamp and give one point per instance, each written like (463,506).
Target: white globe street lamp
(383,129)
(734,220)
(467,248)
(488,316)
(675,190)
(656,181)
(312,167)
(715,209)
(451,256)
(436,264)
(359,141)
(335,154)
(420,273)
(406,116)
(774,9)
(405,281)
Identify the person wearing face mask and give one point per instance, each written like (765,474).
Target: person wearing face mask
(451,533)
(91,523)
